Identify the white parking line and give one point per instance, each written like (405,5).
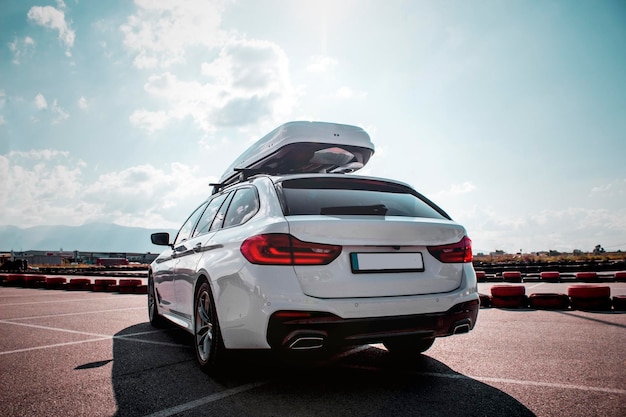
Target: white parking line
(70,300)
(503,380)
(73,314)
(206,400)
(550,385)
(57,329)
(530,287)
(98,339)
(52,346)
(132,337)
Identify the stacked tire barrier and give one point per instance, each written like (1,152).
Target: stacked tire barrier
(586,297)
(551,276)
(508,296)
(123,286)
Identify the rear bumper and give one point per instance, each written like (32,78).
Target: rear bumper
(297,330)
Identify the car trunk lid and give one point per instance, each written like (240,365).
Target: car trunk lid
(381,256)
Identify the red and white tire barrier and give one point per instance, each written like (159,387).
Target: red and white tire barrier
(56,283)
(512,276)
(508,296)
(550,276)
(77,284)
(15,280)
(128,286)
(590,297)
(586,276)
(549,301)
(34,280)
(481,276)
(620,276)
(104,284)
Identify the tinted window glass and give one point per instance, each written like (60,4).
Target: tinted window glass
(354,196)
(209,214)
(244,205)
(185,230)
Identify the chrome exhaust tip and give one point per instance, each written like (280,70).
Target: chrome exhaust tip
(307,343)
(461,328)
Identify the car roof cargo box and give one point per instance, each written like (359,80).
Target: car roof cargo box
(303,147)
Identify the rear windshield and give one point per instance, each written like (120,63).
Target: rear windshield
(354,196)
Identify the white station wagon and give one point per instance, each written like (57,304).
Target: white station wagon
(292,252)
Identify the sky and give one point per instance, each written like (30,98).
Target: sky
(511,115)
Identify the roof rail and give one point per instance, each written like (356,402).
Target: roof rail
(244,174)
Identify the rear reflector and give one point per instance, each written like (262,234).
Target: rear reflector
(284,249)
(460,252)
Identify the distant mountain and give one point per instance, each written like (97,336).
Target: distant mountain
(93,237)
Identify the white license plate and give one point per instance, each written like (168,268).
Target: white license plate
(386,262)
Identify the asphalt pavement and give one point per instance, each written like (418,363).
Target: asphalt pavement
(83,353)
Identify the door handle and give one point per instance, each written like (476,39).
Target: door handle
(198,247)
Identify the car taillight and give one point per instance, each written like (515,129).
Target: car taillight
(459,252)
(284,249)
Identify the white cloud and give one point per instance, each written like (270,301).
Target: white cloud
(39,187)
(2,121)
(145,196)
(321,63)
(40,102)
(247,82)
(615,188)
(454,190)
(47,187)
(39,154)
(52,18)
(59,113)
(161,30)
(21,48)
(83,103)
(148,120)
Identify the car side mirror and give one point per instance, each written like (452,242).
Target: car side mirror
(161,239)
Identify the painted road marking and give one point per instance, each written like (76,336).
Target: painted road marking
(57,329)
(206,400)
(53,346)
(132,337)
(501,380)
(73,314)
(65,300)
(243,388)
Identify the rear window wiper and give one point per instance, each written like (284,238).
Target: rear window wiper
(375,210)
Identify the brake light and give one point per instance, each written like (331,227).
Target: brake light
(460,252)
(284,249)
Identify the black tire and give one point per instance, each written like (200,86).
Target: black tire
(208,343)
(407,347)
(153,309)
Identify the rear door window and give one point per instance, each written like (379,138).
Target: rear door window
(209,214)
(221,213)
(354,196)
(243,206)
